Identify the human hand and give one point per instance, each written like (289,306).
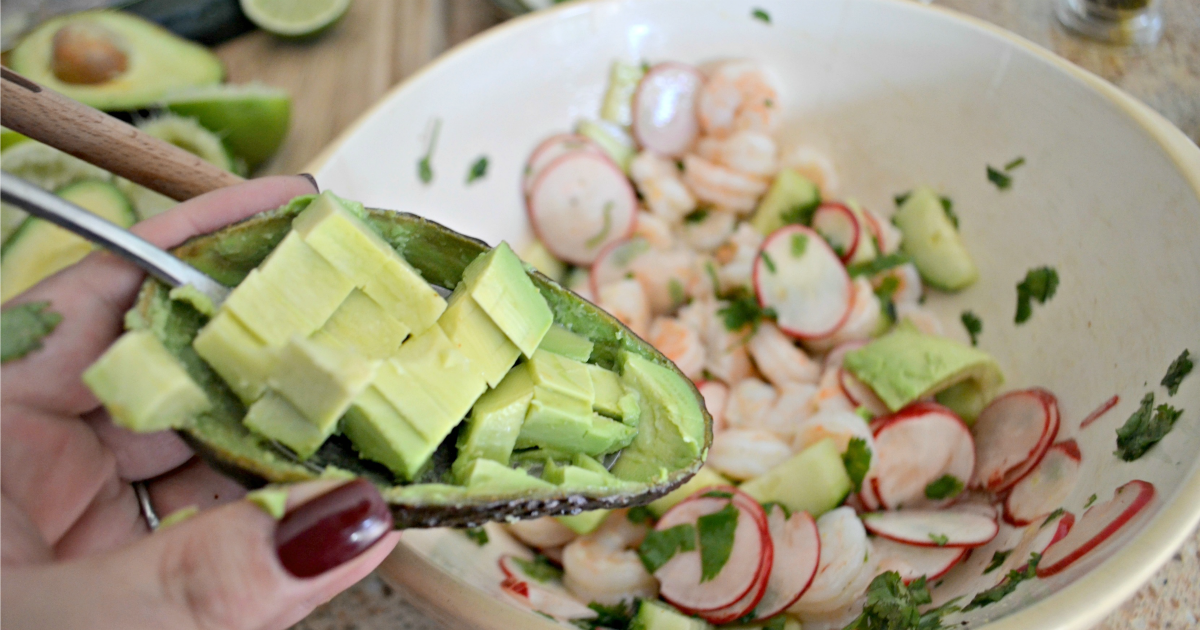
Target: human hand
(74,547)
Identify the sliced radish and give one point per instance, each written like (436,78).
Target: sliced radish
(838,225)
(561,606)
(1046,486)
(1096,525)
(1100,411)
(860,394)
(912,562)
(835,356)
(932,528)
(1011,435)
(680,576)
(979,503)
(916,447)
(579,204)
(550,150)
(664,109)
(751,599)
(797,549)
(615,262)
(1037,539)
(797,275)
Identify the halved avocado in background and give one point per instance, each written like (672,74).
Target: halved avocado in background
(112,61)
(441,255)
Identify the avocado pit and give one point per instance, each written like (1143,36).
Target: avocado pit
(86,53)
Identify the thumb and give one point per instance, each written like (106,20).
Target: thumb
(233,567)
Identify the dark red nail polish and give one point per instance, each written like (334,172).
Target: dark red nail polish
(312,180)
(332,529)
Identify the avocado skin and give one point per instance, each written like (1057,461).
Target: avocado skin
(441,255)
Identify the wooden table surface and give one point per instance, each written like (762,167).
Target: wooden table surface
(380,42)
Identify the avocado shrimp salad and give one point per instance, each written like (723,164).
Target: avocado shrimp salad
(865,465)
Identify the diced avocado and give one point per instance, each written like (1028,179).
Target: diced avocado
(562,422)
(591,475)
(144,386)
(557,373)
(264,310)
(307,281)
(537,458)
(495,422)
(612,399)
(274,417)
(498,282)
(540,258)
(431,384)
(362,325)
(906,364)
(565,343)
(380,433)
(237,355)
(671,432)
(321,381)
(584,523)
(612,139)
(351,246)
(814,480)
(477,337)
(933,242)
(790,199)
(587,462)
(271,499)
(704,478)
(38,249)
(656,615)
(485,476)
(195,298)
(966,399)
(623,79)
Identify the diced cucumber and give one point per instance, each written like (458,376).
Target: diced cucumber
(612,139)
(933,242)
(791,199)
(824,484)
(704,478)
(623,80)
(655,615)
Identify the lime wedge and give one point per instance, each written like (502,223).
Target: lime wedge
(294,18)
(252,120)
(8,137)
(43,166)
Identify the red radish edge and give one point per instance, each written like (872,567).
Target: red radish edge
(999,481)
(639,134)
(785,570)
(757,271)
(1100,411)
(585,144)
(877,524)
(947,564)
(1145,495)
(847,213)
(1068,448)
(750,600)
(616,236)
(859,393)
(606,251)
(911,412)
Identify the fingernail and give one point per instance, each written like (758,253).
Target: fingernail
(312,180)
(332,529)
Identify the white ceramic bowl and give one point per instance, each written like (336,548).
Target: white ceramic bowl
(897,94)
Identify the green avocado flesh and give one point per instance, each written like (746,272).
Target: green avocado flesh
(112,61)
(364,367)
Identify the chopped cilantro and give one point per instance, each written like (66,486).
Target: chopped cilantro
(478,169)
(1143,430)
(799,245)
(639,514)
(864,413)
(604,229)
(878,265)
(696,216)
(999,178)
(619,616)
(1053,515)
(998,559)
(891,605)
(974,326)
(539,569)
(1001,590)
(660,546)
(477,534)
(857,460)
(711,270)
(802,214)
(716,540)
(743,310)
(940,540)
(1179,368)
(1039,284)
(1090,501)
(23,327)
(944,487)
(717,494)
(887,288)
(424,167)
(1014,164)
(766,258)
(778,622)
(675,288)
(901,198)
(761,15)
(770,505)
(948,208)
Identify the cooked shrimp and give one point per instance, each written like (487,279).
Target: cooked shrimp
(737,257)
(746,151)
(738,95)
(667,276)
(815,166)
(779,359)
(626,300)
(889,235)
(864,320)
(908,284)
(835,620)
(542,532)
(743,454)
(604,566)
(791,409)
(845,556)
(657,179)
(749,401)
(681,343)
(830,395)
(921,317)
(722,186)
(655,230)
(709,229)
(842,426)
(716,396)
(726,357)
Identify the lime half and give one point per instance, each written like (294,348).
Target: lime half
(252,120)
(294,18)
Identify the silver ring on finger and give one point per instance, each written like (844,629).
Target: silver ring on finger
(147,508)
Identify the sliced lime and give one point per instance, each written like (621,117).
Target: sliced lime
(252,120)
(186,134)
(44,167)
(295,18)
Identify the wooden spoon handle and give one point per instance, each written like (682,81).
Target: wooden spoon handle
(100,139)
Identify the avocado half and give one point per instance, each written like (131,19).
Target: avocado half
(113,61)
(441,255)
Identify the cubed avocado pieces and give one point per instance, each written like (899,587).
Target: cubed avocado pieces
(474,333)
(496,419)
(274,417)
(380,433)
(486,477)
(319,380)
(362,325)
(238,356)
(144,386)
(563,342)
(671,431)
(499,283)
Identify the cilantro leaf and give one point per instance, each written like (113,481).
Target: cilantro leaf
(940,540)
(770,505)
(1179,368)
(539,569)
(766,258)
(716,540)
(660,546)
(619,616)
(677,292)
(973,324)
(1001,590)
(857,459)
(999,178)
(640,514)
(799,245)
(801,214)
(944,487)
(1143,430)
(741,310)
(424,165)
(891,605)
(23,327)
(477,534)
(717,494)
(1090,501)
(696,216)
(599,237)
(761,15)
(478,169)
(1051,516)
(1014,164)
(902,197)
(948,208)
(998,559)
(1039,284)
(877,265)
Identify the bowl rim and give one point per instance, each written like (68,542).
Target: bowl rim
(1079,605)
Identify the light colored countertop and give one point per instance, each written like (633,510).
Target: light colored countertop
(381,42)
